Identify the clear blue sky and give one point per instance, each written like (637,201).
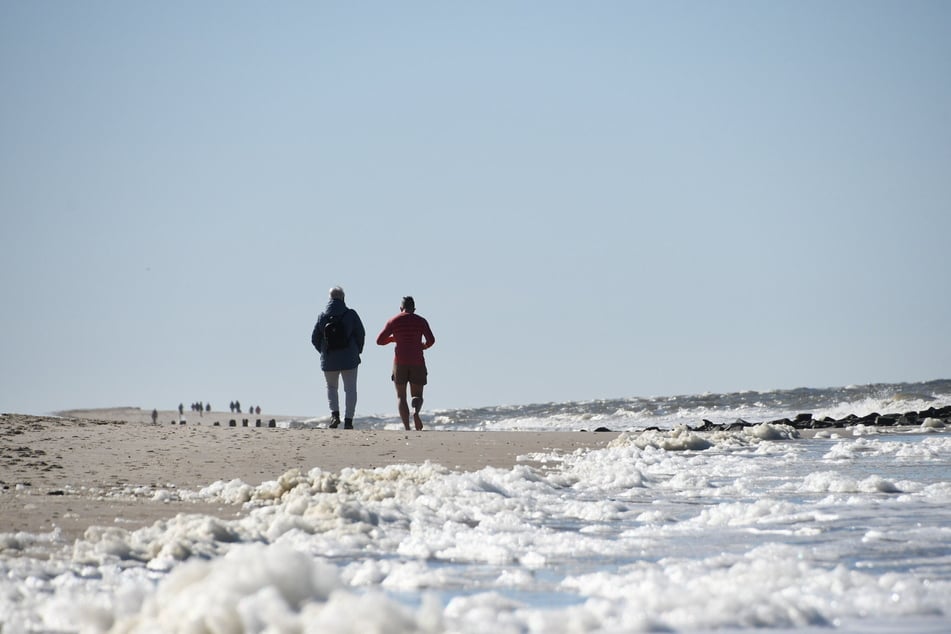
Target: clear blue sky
(588,200)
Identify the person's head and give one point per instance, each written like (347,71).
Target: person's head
(336,293)
(408,305)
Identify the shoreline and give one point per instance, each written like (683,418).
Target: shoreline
(71,473)
(114,467)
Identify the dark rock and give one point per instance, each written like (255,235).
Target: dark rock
(908,418)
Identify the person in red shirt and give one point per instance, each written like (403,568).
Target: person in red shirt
(412,335)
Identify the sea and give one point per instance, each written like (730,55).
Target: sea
(667,529)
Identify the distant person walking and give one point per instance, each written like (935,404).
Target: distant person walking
(412,335)
(339,336)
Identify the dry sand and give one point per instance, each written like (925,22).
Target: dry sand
(81,469)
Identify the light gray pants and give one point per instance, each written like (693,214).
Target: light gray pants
(349,389)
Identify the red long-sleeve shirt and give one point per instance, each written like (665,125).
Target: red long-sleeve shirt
(412,335)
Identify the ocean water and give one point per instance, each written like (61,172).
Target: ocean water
(665,530)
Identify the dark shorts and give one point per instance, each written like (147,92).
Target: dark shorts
(409,374)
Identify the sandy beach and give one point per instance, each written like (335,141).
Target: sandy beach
(108,522)
(101,467)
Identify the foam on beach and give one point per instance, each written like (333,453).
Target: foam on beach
(665,529)
(698,537)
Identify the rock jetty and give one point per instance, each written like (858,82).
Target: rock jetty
(931,417)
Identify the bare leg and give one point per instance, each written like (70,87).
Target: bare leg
(417,391)
(403,405)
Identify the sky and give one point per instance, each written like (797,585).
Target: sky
(587,200)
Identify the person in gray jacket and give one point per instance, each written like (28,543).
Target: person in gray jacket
(338,336)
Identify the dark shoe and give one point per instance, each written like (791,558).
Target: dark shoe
(348,423)
(334,420)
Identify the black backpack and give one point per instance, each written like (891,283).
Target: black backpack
(335,333)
